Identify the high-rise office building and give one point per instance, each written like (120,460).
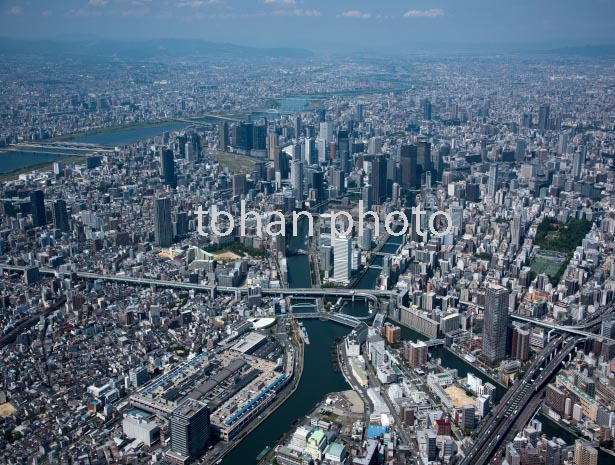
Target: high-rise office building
(343,147)
(516,230)
(297,127)
(60,215)
(342,257)
(407,162)
(543,117)
(438,161)
(468,417)
(427,111)
(280,164)
(456,213)
(223,136)
(167,167)
(163,225)
(495,322)
(272,145)
(326,131)
(190,431)
(607,329)
(374,146)
(359,112)
(585,453)
(378,178)
(522,349)
(240,184)
(322,115)
(366,196)
(520,150)
(423,159)
(577,163)
(296,178)
(316,182)
(493,181)
(37,201)
(242,135)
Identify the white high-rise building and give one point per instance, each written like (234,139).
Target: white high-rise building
(456,213)
(321,146)
(493,179)
(342,258)
(326,132)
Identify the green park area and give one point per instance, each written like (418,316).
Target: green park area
(557,241)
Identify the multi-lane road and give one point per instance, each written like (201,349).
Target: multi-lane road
(493,431)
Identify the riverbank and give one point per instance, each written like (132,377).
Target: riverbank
(114,128)
(448,350)
(45,166)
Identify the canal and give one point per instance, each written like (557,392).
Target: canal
(319,378)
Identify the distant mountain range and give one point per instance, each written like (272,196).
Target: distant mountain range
(159,48)
(585,50)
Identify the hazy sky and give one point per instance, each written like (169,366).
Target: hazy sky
(321,24)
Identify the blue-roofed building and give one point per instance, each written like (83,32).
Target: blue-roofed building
(376,431)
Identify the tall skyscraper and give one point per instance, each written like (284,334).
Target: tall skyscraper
(516,230)
(427,111)
(456,212)
(493,181)
(438,161)
(240,184)
(520,150)
(337,181)
(223,136)
(342,255)
(167,167)
(60,215)
(423,159)
(163,224)
(343,147)
(297,127)
(37,199)
(190,431)
(543,117)
(359,112)
(280,164)
(407,161)
(494,324)
(326,131)
(577,163)
(366,196)
(296,178)
(322,115)
(378,178)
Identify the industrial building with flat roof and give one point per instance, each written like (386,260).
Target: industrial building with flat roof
(236,387)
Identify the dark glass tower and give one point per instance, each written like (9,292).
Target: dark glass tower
(167,167)
(37,199)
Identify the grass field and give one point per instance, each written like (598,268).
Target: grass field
(234,162)
(548,263)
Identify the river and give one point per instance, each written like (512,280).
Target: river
(319,378)
(19,159)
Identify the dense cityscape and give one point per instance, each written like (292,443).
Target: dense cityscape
(133,332)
